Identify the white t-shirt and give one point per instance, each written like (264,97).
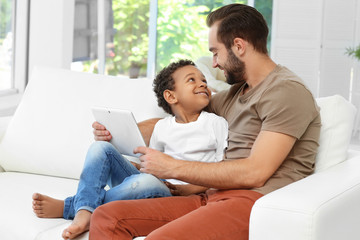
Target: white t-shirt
(203,140)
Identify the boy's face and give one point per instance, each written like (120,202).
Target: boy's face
(191,89)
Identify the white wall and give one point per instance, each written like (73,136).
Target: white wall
(51,33)
(310,37)
(296,37)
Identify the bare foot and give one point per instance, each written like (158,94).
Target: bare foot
(47,207)
(80,224)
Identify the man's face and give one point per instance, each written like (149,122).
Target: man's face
(235,69)
(225,59)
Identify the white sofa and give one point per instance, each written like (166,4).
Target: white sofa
(45,143)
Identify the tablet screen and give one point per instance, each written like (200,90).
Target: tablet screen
(123,127)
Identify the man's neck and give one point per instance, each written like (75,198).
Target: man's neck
(257,69)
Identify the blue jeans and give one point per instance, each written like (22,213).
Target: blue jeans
(104,165)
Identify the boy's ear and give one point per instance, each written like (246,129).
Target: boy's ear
(170,97)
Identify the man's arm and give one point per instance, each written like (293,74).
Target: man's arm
(269,151)
(146,128)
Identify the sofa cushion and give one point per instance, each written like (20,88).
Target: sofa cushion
(214,76)
(50,131)
(17,219)
(337,118)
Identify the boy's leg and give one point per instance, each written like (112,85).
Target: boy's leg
(132,218)
(103,163)
(226,216)
(138,186)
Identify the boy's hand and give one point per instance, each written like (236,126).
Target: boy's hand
(100,132)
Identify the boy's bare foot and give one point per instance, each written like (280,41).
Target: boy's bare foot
(47,207)
(80,224)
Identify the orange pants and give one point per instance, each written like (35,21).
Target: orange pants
(217,214)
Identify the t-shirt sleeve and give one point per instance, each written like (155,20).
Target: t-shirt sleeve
(220,101)
(287,108)
(214,106)
(221,133)
(154,142)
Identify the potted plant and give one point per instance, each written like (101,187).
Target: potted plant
(354,52)
(138,60)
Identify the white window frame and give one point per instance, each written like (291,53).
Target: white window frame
(19,56)
(10,98)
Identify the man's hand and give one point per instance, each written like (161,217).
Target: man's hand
(185,189)
(100,132)
(156,162)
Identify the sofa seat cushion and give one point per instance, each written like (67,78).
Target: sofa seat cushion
(16,203)
(17,219)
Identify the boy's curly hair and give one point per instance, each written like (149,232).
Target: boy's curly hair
(164,81)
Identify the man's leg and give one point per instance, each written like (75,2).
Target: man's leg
(131,218)
(225,216)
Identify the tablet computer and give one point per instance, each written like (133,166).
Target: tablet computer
(123,127)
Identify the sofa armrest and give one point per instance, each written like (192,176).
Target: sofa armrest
(4,121)
(324,205)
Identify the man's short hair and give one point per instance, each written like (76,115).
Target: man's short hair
(164,80)
(240,21)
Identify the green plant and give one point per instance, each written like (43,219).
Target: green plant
(354,52)
(131,38)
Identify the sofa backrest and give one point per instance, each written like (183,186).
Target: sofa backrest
(51,131)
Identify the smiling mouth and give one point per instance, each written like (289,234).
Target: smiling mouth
(203,93)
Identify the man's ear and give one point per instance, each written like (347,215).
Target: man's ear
(239,46)
(170,97)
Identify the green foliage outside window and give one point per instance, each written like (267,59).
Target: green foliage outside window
(5,18)
(130,47)
(181,32)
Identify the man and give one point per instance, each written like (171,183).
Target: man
(274,127)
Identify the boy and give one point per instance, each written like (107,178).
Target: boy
(189,133)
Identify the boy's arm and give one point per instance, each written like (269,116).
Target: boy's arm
(146,128)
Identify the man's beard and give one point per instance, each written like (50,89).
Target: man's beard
(235,69)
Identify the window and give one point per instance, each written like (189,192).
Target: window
(129,45)
(182,30)
(6,44)
(125,37)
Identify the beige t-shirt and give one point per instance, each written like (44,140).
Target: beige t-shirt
(280,103)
